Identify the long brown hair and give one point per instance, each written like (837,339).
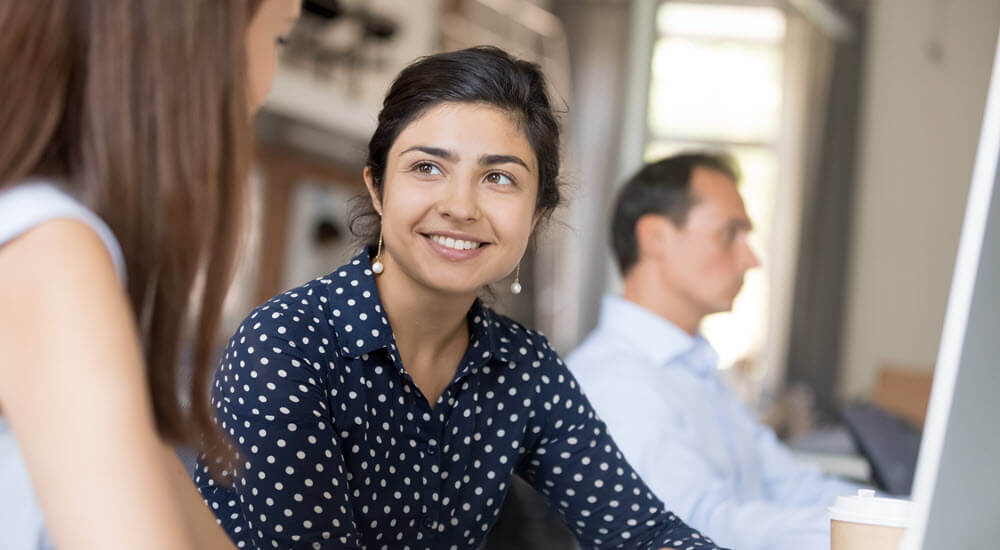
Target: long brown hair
(139,107)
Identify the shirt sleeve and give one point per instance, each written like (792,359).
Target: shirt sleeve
(662,450)
(789,481)
(289,488)
(574,463)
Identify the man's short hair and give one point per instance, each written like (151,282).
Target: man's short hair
(662,187)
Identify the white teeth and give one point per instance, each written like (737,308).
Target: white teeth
(457,244)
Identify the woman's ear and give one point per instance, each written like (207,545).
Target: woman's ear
(372,191)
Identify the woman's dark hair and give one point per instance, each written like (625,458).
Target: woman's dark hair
(483,74)
(664,188)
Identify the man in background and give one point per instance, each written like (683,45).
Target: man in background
(679,235)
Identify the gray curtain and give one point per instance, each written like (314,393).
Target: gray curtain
(598,36)
(821,274)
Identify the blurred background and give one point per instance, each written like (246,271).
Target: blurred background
(855,122)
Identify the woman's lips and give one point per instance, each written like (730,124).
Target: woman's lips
(455,249)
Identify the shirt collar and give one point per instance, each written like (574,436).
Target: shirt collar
(359,320)
(362,327)
(655,337)
(485,333)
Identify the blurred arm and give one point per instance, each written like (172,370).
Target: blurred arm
(651,433)
(73,388)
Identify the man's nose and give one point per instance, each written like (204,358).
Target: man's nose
(752,259)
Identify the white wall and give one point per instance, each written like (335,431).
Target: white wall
(920,125)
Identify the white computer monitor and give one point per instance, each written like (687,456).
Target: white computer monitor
(956,490)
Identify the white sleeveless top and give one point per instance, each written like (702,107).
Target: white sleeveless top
(23,207)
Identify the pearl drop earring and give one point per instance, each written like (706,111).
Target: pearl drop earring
(515,287)
(377,266)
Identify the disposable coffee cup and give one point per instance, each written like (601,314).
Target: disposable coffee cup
(867,522)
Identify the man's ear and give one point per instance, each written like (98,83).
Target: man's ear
(651,235)
(372,192)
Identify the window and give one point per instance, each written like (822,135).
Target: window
(716,83)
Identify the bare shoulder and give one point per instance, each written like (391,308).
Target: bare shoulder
(51,248)
(58,285)
(72,383)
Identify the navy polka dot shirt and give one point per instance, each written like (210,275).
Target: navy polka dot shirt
(339,449)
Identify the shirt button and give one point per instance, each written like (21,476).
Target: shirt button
(429,523)
(431,451)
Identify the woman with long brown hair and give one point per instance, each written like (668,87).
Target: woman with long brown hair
(124,152)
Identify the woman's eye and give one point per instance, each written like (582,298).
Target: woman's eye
(282,40)
(496,178)
(428,169)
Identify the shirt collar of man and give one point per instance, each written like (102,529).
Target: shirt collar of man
(661,341)
(355,306)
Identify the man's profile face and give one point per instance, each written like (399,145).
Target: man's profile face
(704,261)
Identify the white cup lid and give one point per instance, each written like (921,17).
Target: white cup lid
(869,509)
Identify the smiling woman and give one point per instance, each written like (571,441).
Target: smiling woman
(389,408)
(458,200)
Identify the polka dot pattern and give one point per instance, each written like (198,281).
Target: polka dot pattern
(338,448)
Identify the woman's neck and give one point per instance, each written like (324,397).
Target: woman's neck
(426,324)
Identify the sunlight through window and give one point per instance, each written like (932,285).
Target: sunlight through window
(717,84)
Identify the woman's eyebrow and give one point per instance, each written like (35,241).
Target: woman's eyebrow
(489,160)
(433,151)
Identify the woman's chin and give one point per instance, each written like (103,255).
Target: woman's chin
(455,285)
(455,289)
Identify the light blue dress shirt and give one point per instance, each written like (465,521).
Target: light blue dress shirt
(693,442)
